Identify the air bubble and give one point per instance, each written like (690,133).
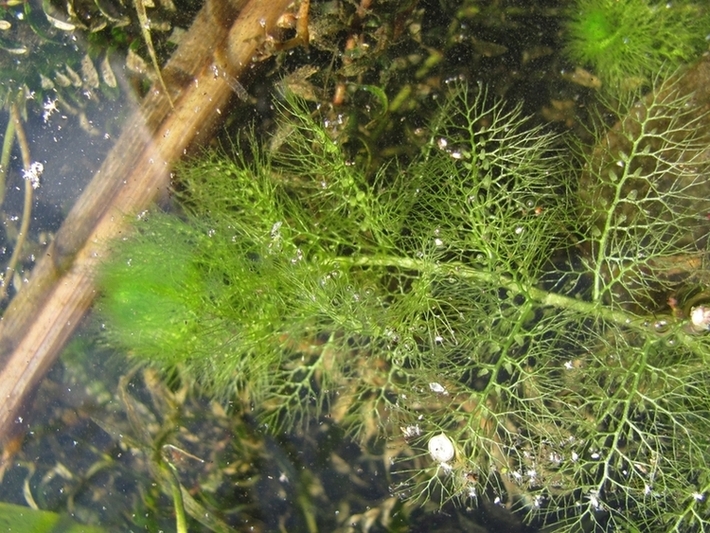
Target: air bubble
(661,326)
(299,256)
(437,388)
(392,335)
(408,346)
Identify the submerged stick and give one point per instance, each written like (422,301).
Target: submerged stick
(219,46)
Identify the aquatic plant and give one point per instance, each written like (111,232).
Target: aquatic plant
(68,54)
(628,42)
(503,331)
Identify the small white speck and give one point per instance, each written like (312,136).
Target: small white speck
(33,174)
(411,431)
(50,107)
(438,388)
(594,500)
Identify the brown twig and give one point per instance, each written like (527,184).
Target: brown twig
(44,314)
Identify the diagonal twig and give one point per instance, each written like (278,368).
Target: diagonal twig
(44,314)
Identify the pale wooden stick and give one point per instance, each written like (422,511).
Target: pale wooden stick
(45,313)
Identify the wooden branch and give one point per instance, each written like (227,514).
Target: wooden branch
(219,46)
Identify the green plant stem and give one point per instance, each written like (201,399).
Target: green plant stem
(545,298)
(175,489)
(185,504)
(27,207)
(5,157)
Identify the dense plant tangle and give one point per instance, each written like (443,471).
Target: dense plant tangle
(628,42)
(472,296)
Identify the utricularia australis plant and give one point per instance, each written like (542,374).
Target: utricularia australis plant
(500,320)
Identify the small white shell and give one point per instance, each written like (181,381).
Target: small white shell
(441,448)
(700,318)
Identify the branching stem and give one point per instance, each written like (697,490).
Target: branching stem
(545,298)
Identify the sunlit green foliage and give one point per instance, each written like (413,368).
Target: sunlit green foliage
(472,293)
(628,42)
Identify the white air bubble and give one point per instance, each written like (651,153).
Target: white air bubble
(438,388)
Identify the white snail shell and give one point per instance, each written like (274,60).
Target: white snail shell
(441,448)
(700,318)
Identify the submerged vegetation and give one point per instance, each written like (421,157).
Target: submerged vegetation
(501,320)
(74,54)
(628,42)
(512,336)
